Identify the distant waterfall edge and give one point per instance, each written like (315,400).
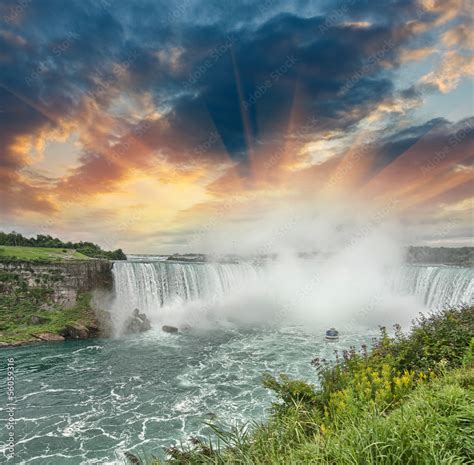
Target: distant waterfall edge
(151,285)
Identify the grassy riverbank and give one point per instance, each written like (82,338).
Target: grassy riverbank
(28,310)
(18,310)
(409,400)
(39,253)
(55,246)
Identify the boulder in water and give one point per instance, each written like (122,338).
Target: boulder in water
(137,323)
(169,329)
(75,331)
(146,325)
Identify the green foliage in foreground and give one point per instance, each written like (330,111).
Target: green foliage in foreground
(19,306)
(88,249)
(40,253)
(410,400)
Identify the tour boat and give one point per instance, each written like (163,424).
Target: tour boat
(332,335)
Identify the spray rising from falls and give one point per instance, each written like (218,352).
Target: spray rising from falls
(436,286)
(174,291)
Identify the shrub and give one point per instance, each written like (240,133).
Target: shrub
(435,343)
(468,361)
(290,392)
(435,425)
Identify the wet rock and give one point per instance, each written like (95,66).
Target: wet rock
(37,320)
(137,323)
(49,337)
(145,325)
(134,325)
(93,329)
(75,331)
(169,329)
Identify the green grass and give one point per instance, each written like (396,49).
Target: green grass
(39,253)
(410,400)
(433,425)
(17,308)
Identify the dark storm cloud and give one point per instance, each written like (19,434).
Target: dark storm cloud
(238,68)
(383,11)
(249,80)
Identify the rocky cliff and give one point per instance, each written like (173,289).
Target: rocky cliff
(66,280)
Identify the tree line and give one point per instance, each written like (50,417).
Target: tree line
(441,255)
(43,240)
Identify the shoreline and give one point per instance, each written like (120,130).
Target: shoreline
(37,340)
(42,301)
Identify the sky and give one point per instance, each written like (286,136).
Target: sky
(152,125)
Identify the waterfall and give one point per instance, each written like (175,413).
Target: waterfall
(436,286)
(149,286)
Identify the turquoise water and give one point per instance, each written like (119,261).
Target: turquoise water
(86,402)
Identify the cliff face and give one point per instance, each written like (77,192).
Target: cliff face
(65,279)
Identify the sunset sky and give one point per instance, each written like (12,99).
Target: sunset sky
(148,125)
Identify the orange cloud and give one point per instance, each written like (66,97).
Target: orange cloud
(450,71)
(461,36)
(415,54)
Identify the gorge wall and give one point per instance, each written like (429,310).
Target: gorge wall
(66,280)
